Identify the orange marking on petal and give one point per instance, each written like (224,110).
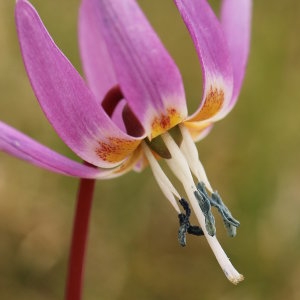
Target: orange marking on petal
(164,122)
(196,129)
(212,104)
(115,149)
(128,164)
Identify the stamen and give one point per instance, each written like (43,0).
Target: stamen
(230,223)
(190,152)
(205,206)
(161,178)
(215,200)
(179,165)
(184,224)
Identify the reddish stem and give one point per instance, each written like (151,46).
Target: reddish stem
(79,240)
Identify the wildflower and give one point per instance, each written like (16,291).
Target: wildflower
(133,110)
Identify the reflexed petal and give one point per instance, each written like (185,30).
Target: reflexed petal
(126,166)
(208,38)
(236,22)
(141,164)
(117,115)
(68,104)
(95,56)
(19,145)
(149,78)
(198,130)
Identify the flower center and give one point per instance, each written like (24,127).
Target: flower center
(164,122)
(181,155)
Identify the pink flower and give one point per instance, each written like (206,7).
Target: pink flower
(133,108)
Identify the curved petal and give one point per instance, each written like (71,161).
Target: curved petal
(66,101)
(117,115)
(198,130)
(126,166)
(19,145)
(211,47)
(96,60)
(141,164)
(149,78)
(236,23)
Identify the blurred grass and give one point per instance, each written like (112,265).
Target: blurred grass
(252,157)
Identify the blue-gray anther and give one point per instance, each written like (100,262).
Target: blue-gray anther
(204,203)
(202,190)
(223,209)
(184,224)
(215,200)
(230,223)
(231,230)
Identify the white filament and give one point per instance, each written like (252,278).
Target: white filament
(190,152)
(161,178)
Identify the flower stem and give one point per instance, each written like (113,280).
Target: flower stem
(79,240)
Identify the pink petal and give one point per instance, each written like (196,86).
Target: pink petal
(19,145)
(66,101)
(96,60)
(149,78)
(211,47)
(236,22)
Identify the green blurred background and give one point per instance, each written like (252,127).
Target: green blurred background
(251,157)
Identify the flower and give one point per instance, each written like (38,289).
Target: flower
(133,110)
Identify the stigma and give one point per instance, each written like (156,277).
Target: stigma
(179,151)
